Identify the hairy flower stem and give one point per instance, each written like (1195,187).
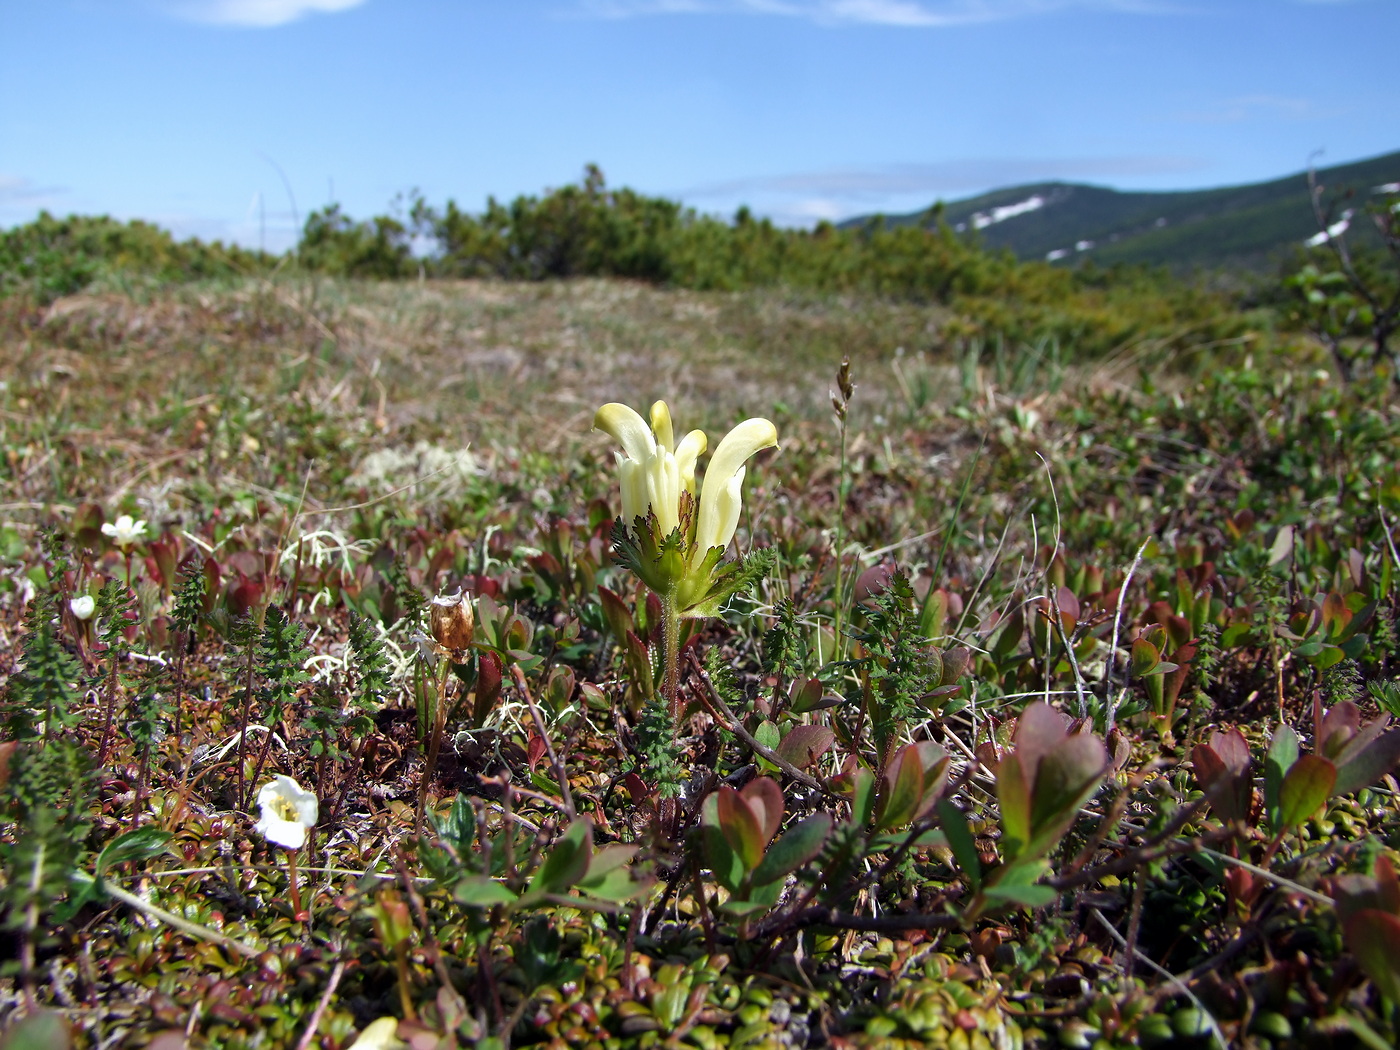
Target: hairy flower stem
(671,656)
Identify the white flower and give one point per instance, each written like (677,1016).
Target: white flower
(287,811)
(655,471)
(125,531)
(382,1034)
(83,607)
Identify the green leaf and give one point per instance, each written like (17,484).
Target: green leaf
(719,855)
(458,828)
(567,861)
(1305,788)
(1283,752)
(41,1030)
(863,797)
(140,844)
(1145,657)
(609,878)
(794,849)
(740,908)
(1028,896)
(1014,797)
(479,891)
(961,841)
(901,790)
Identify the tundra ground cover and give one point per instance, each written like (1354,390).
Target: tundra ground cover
(1057,715)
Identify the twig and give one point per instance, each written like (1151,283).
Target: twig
(1113,645)
(1274,877)
(193,929)
(823,916)
(559,771)
(319,1012)
(731,723)
(1164,972)
(1069,651)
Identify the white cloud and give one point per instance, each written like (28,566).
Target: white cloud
(976,174)
(802,198)
(1248,107)
(21,199)
(915,13)
(259,13)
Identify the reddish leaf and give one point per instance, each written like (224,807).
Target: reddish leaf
(805,744)
(764,798)
(740,827)
(616,613)
(1374,938)
(488,685)
(1039,729)
(900,789)
(873,581)
(1222,768)
(535,750)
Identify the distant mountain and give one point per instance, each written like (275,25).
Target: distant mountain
(1249,227)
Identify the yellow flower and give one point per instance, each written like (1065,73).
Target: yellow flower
(657,475)
(652,469)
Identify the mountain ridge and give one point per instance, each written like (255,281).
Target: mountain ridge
(1253,226)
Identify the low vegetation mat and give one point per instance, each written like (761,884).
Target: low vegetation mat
(392,664)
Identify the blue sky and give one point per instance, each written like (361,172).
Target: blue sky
(191,113)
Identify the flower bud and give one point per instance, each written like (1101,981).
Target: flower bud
(451,621)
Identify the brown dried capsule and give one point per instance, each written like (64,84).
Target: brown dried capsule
(451,621)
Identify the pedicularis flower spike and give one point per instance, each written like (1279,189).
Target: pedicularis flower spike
(671,541)
(655,472)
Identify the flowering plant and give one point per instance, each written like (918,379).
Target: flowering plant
(125,531)
(673,542)
(288,812)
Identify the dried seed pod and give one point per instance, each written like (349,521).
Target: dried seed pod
(451,621)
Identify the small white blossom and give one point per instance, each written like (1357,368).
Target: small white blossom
(125,531)
(83,607)
(287,812)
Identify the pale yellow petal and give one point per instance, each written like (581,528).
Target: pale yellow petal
(719,495)
(628,429)
(382,1034)
(719,512)
(691,448)
(663,490)
(633,483)
(661,425)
